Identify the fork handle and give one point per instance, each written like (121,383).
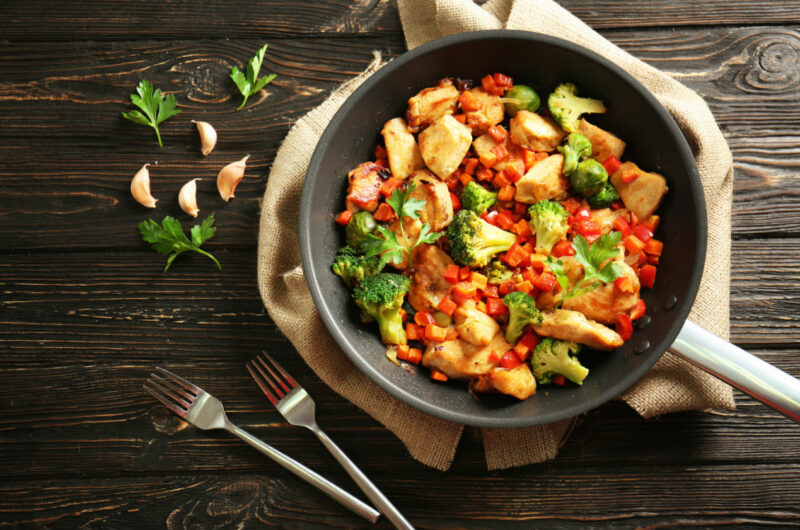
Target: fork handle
(370,490)
(332,490)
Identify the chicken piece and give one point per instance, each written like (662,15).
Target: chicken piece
(401,148)
(473,325)
(569,325)
(531,131)
(461,360)
(365,187)
(518,382)
(431,104)
(444,144)
(484,143)
(607,302)
(438,209)
(490,113)
(545,180)
(411,227)
(604,144)
(574,273)
(428,285)
(605,217)
(643,195)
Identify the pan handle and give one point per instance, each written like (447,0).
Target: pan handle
(745,371)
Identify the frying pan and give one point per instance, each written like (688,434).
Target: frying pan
(654,142)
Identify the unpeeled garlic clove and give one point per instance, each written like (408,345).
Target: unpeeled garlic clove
(229,177)
(140,188)
(187,198)
(208,136)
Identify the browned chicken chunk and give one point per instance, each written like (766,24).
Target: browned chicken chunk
(605,217)
(438,210)
(444,144)
(473,325)
(401,148)
(532,131)
(518,382)
(490,113)
(545,180)
(365,187)
(604,144)
(607,302)
(428,285)
(461,360)
(643,195)
(573,326)
(431,104)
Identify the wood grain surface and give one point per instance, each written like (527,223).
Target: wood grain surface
(86,311)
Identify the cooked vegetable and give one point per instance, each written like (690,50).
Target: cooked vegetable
(604,197)
(380,296)
(169,239)
(552,357)
(521,97)
(521,312)
(550,222)
(352,267)
(592,258)
(251,84)
(498,273)
(567,107)
(477,198)
(577,148)
(473,241)
(589,177)
(156,107)
(356,230)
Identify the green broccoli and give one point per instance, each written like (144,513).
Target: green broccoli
(550,222)
(477,198)
(357,229)
(353,268)
(576,149)
(589,177)
(380,296)
(521,312)
(473,241)
(498,273)
(604,197)
(552,357)
(520,97)
(566,107)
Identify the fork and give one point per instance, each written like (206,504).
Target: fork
(206,412)
(294,403)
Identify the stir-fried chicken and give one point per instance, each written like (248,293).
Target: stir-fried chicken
(365,187)
(545,180)
(518,382)
(643,195)
(444,144)
(573,326)
(604,144)
(428,285)
(438,209)
(461,360)
(401,148)
(473,325)
(431,104)
(531,131)
(607,302)
(490,113)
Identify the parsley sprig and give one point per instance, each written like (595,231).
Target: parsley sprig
(155,106)
(388,246)
(251,84)
(168,238)
(592,258)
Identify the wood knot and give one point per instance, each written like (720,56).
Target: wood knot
(165,421)
(774,64)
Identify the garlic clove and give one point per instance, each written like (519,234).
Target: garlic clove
(187,198)
(229,177)
(208,136)
(140,188)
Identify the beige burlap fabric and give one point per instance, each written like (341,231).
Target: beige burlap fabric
(672,385)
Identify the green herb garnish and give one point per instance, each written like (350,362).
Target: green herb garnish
(168,238)
(251,84)
(155,106)
(592,258)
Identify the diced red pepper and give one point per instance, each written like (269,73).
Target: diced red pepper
(653,247)
(623,226)
(451,273)
(653,260)
(503,80)
(506,193)
(624,326)
(490,216)
(642,232)
(562,248)
(484,174)
(382,162)
(617,205)
(344,217)
(624,284)
(571,205)
(436,375)
(435,333)
(524,287)
(529,275)
(546,282)
(390,185)
(515,255)
(647,275)
(530,339)
(413,331)
(488,84)
(498,133)
(537,266)
(589,229)
(452,182)
(504,220)
(500,151)
(559,380)
(520,208)
(424,318)
(522,228)
(506,287)
(470,166)
(638,310)
(642,259)
(612,164)
(509,360)
(521,351)
(469,103)
(461,118)
(633,244)
(463,273)
(380,152)
(495,307)
(447,306)
(491,291)
(456,202)
(384,213)
(500,179)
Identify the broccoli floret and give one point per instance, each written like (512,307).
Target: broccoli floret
(477,198)
(473,241)
(353,268)
(357,229)
(551,357)
(589,177)
(520,97)
(576,149)
(604,197)
(566,107)
(498,273)
(521,312)
(380,296)
(550,222)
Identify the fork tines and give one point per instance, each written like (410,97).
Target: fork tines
(176,393)
(265,373)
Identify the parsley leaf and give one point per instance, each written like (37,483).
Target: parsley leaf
(251,84)
(154,105)
(169,238)
(592,258)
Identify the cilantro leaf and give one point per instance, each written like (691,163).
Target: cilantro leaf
(169,238)
(250,84)
(592,258)
(155,107)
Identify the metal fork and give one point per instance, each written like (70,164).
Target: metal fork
(206,412)
(294,403)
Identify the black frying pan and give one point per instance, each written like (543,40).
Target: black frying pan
(654,142)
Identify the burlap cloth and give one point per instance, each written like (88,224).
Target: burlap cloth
(672,385)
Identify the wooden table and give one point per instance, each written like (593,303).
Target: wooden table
(86,310)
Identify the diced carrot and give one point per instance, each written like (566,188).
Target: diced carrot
(413,331)
(498,133)
(520,208)
(522,351)
(462,118)
(478,280)
(452,182)
(624,284)
(529,158)
(546,282)
(403,314)
(500,151)
(514,170)
(506,287)
(481,306)
(414,356)
(653,260)
(524,287)
(515,255)
(465,178)
(451,273)
(629,175)
(500,180)
(621,224)
(654,247)
(563,248)
(447,306)
(495,307)
(522,228)
(647,275)
(469,103)
(435,333)
(456,201)
(452,334)
(484,174)
(402,351)
(470,166)
(642,259)
(464,290)
(537,266)
(384,213)
(490,291)
(463,273)
(559,380)
(344,217)
(390,185)
(506,193)
(424,318)
(652,222)
(488,84)
(436,375)
(633,244)
(488,159)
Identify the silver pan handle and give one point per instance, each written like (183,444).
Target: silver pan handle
(745,371)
